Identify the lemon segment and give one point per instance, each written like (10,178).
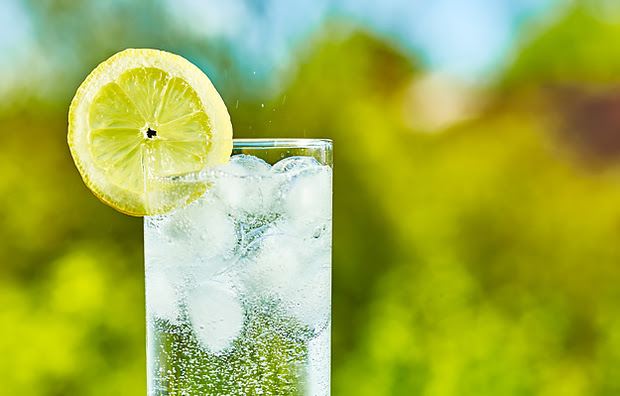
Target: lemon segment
(139,117)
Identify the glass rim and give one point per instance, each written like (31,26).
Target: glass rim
(266,143)
(249,144)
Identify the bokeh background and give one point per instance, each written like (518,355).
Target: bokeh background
(477,186)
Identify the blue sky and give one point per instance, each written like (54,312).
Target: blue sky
(466,38)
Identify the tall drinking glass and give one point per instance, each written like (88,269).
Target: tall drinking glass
(238,283)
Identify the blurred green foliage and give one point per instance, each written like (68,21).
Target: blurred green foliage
(478,260)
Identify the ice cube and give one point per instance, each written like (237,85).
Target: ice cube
(160,249)
(201,235)
(216,316)
(308,300)
(253,165)
(269,265)
(215,234)
(312,250)
(306,201)
(162,300)
(293,164)
(244,187)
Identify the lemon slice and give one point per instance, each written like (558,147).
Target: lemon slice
(139,117)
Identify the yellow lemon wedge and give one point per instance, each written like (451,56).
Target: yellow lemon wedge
(139,118)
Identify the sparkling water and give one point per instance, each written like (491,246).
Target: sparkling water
(238,283)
